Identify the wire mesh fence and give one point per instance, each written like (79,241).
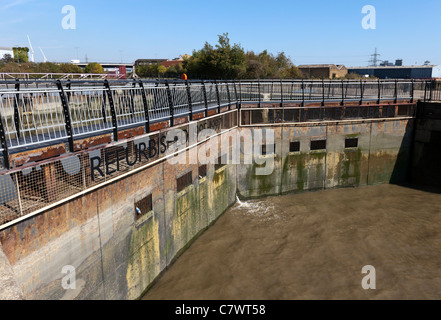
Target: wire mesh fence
(36,186)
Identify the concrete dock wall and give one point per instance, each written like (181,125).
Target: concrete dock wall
(98,245)
(380,156)
(425,168)
(9,289)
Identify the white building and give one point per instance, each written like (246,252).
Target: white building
(6,50)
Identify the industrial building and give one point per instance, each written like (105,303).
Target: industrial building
(323,71)
(399,72)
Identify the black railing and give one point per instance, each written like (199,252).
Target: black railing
(36,113)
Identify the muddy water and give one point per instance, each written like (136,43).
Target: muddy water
(314,246)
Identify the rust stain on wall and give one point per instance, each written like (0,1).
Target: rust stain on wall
(87,143)
(21,158)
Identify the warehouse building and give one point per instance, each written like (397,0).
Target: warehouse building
(323,71)
(399,72)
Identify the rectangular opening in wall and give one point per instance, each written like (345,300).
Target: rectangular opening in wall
(202,171)
(266,150)
(220,163)
(403,110)
(185,181)
(294,146)
(143,206)
(318,145)
(351,143)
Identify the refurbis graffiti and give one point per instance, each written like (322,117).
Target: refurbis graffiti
(204,145)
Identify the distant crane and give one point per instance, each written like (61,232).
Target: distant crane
(31,49)
(44,56)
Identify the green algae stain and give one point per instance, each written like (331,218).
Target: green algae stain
(350,167)
(296,163)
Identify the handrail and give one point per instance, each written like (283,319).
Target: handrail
(35,112)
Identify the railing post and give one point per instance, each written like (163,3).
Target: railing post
(204,91)
(240,94)
(425,90)
(217,97)
(155,96)
(303,93)
(323,92)
(379,92)
(432,84)
(103,107)
(146,107)
(396,91)
(69,87)
(291,91)
(228,95)
(67,119)
(112,110)
(281,93)
(361,92)
(132,100)
(258,90)
(237,99)
(4,144)
(170,104)
(16,108)
(412,91)
(342,92)
(190,104)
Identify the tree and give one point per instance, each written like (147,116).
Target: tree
(148,70)
(174,71)
(267,66)
(70,68)
(7,58)
(94,67)
(291,73)
(46,67)
(223,61)
(161,70)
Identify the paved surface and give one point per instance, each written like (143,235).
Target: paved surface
(9,289)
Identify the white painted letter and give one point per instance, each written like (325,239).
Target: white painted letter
(68,21)
(369,282)
(369,21)
(69,281)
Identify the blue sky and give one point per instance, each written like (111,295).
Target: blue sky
(307,31)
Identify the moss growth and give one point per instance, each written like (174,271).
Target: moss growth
(219,177)
(263,183)
(298,161)
(318,155)
(353,158)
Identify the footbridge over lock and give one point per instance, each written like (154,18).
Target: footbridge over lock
(86,180)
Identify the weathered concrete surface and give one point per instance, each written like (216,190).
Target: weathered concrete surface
(9,289)
(382,156)
(117,256)
(425,168)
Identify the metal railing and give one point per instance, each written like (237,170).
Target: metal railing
(54,76)
(36,113)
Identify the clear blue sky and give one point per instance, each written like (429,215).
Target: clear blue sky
(308,31)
